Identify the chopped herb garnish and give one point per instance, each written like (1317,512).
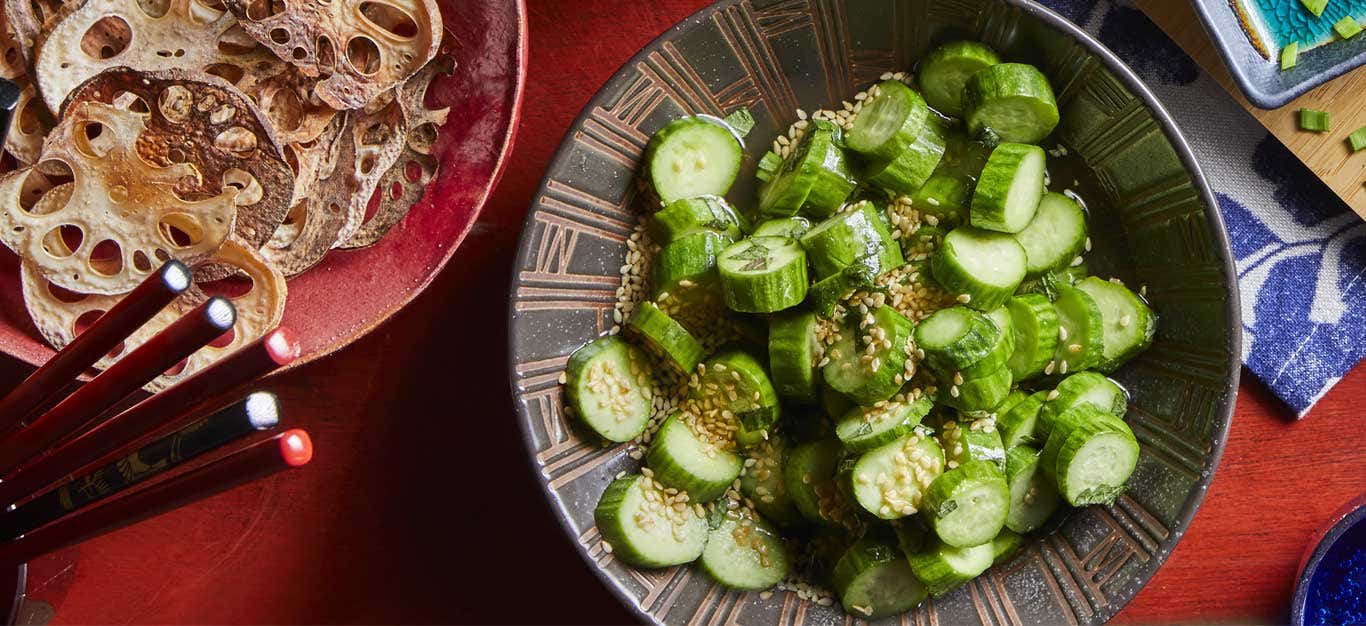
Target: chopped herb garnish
(1347,27)
(740,121)
(1315,6)
(1289,55)
(1314,120)
(1357,139)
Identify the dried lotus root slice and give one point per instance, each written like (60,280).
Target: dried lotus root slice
(118,217)
(29,19)
(369,145)
(404,184)
(60,314)
(202,121)
(313,161)
(362,47)
(12,64)
(284,94)
(30,126)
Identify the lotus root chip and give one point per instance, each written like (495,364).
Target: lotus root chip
(259,298)
(202,121)
(361,49)
(28,19)
(102,231)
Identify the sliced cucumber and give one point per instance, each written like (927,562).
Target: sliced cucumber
(689,215)
(1012,101)
(1090,456)
(1008,192)
(1082,388)
(693,156)
(792,350)
(1001,350)
(834,402)
(768,166)
(977,440)
(968,504)
(945,197)
(1127,324)
(874,580)
(947,68)
(983,267)
(1035,323)
(809,474)
(1033,498)
(943,567)
(956,338)
(690,260)
(1005,545)
(1055,236)
(865,428)
(665,337)
(1013,399)
(683,460)
(858,236)
(762,482)
(814,177)
(793,227)
(890,481)
(608,388)
(763,274)
(735,382)
(744,552)
(870,372)
(1080,336)
(1047,284)
(889,122)
(912,535)
(637,518)
(828,292)
(906,172)
(983,393)
(1018,425)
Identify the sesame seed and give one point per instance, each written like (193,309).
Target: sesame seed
(1077,261)
(1053,395)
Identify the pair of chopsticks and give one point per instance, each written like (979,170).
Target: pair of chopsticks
(71,472)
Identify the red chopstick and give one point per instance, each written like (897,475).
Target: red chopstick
(179,340)
(121,320)
(177,404)
(287,450)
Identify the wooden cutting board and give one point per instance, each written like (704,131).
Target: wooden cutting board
(1326,154)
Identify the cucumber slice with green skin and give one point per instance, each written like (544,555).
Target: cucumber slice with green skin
(768,166)
(890,481)
(955,338)
(1047,284)
(744,552)
(1008,193)
(1001,350)
(945,197)
(665,337)
(681,459)
(1035,324)
(834,402)
(984,393)
(1013,101)
(865,376)
(829,291)
(946,69)
(906,172)
(698,155)
(793,227)
(943,567)
(1005,545)
(912,535)
(690,215)
(874,580)
(763,274)
(889,122)
(690,260)
(1127,324)
(762,482)
(809,474)
(608,388)
(1080,335)
(984,267)
(1033,498)
(1055,236)
(1018,425)
(815,176)
(1090,455)
(737,382)
(792,350)
(964,156)
(1082,388)
(865,428)
(857,236)
(977,440)
(968,504)
(1013,399)
(646,530)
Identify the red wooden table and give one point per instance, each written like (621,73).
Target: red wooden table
(420,506)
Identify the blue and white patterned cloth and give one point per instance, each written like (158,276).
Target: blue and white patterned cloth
(1301,252)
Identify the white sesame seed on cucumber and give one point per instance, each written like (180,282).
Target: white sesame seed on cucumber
(875,580)
(608,388)
(744,552)
(638,518)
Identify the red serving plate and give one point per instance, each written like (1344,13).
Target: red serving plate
(353,291)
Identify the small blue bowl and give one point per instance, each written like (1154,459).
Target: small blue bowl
(1321,569)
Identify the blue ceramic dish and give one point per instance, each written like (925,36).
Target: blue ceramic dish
(1259,75)
(1328,568)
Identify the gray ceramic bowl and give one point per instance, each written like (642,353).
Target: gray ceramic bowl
(1154,223)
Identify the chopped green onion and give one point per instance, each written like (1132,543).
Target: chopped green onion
(1289,55)
(741,121)
(1357,139)
(1315,6)
(1347,27)
(1313,120)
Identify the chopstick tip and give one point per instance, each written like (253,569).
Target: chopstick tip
(296,448)
(262,409)
(176,276)
(282,345)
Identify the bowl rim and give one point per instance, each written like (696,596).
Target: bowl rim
(1348,517)
(1213,218)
